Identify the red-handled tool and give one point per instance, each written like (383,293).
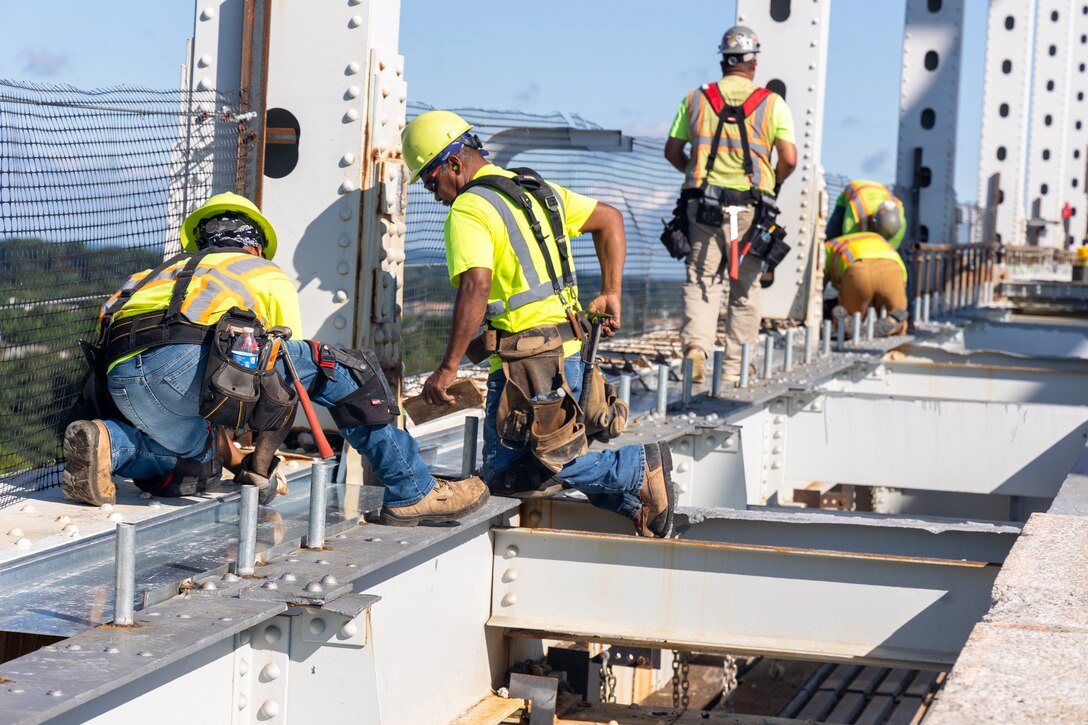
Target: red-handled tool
(323,446)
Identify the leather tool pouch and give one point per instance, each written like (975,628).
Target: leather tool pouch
(533,364)
(238,397)
(606,414)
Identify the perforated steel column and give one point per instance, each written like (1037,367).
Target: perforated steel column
(1047,157)
(1005,108)
(1074,182)
(928,90)
(793,63)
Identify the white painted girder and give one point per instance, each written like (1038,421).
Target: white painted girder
(737,598)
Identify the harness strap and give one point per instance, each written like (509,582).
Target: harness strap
(521,189)
(735,115)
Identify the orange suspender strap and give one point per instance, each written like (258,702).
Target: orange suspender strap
(841,248)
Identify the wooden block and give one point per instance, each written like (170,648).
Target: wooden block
(465,393)
(489,711)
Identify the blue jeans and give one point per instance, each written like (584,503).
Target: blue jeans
(610,479)
(158,391)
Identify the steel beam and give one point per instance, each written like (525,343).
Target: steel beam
(1041,339)
(794,64)
(929,88)
(932,445)
(786,602)
(1050,115)
(1003,143)
(945,381)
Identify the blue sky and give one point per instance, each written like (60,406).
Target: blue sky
(621,63)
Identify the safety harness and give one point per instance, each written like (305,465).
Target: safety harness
(522,189)
(735,115)
(153,329)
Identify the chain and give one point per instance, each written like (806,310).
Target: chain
(675,678)
(607,690)
(729,682)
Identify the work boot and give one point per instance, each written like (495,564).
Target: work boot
(447,501)
(88,466)
(658,495)
(698,365)
(888,326)
(267,486)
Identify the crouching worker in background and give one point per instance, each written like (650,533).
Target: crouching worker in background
(198,343)
(868,272)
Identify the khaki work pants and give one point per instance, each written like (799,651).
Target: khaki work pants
(874,283)
(707,270)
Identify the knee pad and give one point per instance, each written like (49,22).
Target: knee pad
(189,477)
(373,403)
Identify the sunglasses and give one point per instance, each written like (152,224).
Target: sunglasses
(430,179)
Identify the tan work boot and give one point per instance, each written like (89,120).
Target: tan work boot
(88,465)
(698,365)
(658,495)
(447,501)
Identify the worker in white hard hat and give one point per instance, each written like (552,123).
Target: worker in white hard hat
(509,254)
(730,183)
(202,340)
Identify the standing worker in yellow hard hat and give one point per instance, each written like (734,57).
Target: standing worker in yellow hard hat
(858,209)
(193,343)
(868,272)
(730,185)
(508,251)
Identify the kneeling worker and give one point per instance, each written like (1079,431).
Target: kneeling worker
(856,208)
(868,272)
(509,255)
(168,346)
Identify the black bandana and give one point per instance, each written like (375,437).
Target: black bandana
(230,231)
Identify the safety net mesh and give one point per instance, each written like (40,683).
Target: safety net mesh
(93,187)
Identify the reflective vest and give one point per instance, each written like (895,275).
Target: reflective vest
(849,248)
(543,208)
(220,281)
(860,199)
(757,126)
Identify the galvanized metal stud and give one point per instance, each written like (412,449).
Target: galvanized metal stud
(855,329)
(870,324)
(662,389)
(926,307)
(768,356)
(840,334)
(745,357)
(468,452)
(320,477)
(917,309)
(716,382)
(247,530)
(124,575)
(624,389)
(687,369)
(883,312)
(825,342)
(788,364)
(809,346)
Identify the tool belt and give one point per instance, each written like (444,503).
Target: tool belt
(149,330)
(537,407)
(489,342)
(605,414)
(238,397)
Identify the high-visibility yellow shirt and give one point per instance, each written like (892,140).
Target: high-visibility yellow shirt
(477,237)
(696,123)
(859,200)
(220,281)
(843,251)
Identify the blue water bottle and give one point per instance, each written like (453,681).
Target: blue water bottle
(245,350)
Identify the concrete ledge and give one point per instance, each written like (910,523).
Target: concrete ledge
(1028,660)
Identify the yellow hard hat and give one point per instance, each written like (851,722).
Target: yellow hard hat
(218,204)
(427,136)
